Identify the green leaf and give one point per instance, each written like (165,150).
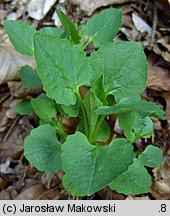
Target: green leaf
(24,108)
(42,149)
(152,156)
(71,111)
(135,127)
(103,27)
(81,127)
(143,108)
(126,123)
(62,73)
(29,77)
(133,116)
(143,128)
(92,167)
(70,187)
(135,180)
(98,89)
(44,107)
(124,67)
(21,36)
(51,31)
(69,26)
(103,133)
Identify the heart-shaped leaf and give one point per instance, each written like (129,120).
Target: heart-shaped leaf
(24,108)
(135,180)
(92,167)
(70,187)
(124,68)
(42,149)
(44,107)
(62,67)
(152,156)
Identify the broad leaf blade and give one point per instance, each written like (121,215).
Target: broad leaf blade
(123,66)
(62,73)
(90,167)
(135,180)
(103,27)
(143,108)
(126,123)
(143,128)
(29,77)
(24,108)
(51,31)
(103,133)
(98,89)
(70,187)
(68,25)
(151,157)
(72,110)
(135,127)
(133,116)
(42,149)
(44,107)
(21,36)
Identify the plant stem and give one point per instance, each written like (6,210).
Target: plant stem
(96,130)
(61,126)
(60,130)
(83,114)
(87,43)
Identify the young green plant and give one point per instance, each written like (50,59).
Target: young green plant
(116,74)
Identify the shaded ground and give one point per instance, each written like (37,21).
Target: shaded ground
(144,21)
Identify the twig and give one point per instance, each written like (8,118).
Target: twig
(4,98)
(10,129)
(57,197)
(155,21)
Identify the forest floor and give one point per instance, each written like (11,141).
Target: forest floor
(145,21)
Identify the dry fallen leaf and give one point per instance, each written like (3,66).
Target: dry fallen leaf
(3,14)
(49,195)
(166,96)
(140,24)
(5,167)
(91,5)
(4,195)
(37,9)
(3,183)
(162,52)
(128,27)
(10,63)
(130,197)
(159,77)
(159,80)
(13,146)
(11,111)
(32,193)
(161,183)
(165,41)
(19,91)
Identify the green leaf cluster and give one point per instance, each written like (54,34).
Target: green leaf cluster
(116,74)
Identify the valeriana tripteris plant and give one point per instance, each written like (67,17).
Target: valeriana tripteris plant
(116,75)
